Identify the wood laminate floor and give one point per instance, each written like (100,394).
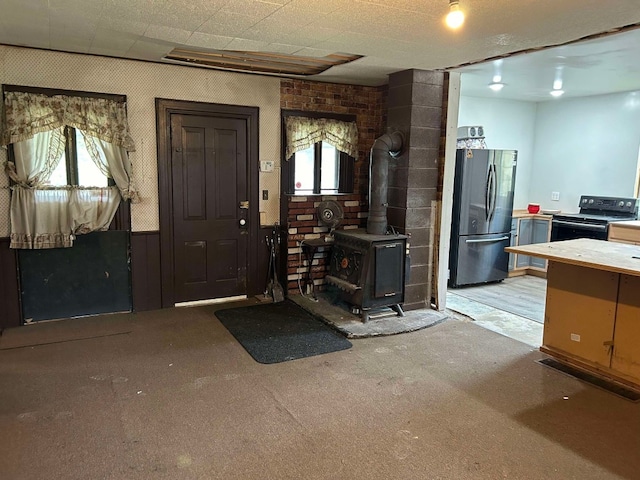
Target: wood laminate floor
(523,296)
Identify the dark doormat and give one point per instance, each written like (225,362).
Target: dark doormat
(602,383)
(278,332)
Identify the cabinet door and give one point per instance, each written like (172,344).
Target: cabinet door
(626,354)
(525,227)
(540,234)
(580,312)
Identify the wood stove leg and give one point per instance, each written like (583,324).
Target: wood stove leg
(365,316)
(398,310)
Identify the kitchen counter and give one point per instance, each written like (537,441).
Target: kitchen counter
(526,214)
(585,252)
(625,232)
(592,311)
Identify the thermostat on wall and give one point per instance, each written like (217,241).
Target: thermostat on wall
(266,165)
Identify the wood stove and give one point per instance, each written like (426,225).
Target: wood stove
(369,270)
(369,266)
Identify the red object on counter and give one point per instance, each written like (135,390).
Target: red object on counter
(533,208)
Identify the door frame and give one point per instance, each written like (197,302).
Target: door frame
(164,109)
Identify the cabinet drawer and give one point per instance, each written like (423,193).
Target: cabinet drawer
(624,234)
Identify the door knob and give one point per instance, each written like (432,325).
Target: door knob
(243,222)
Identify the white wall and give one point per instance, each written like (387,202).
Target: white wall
(587,145)
(142,82)
(508,124)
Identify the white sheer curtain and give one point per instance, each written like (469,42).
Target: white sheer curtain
(112,160)
(50,218)
(36,158)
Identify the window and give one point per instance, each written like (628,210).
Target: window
(317,169)
(68,163)
(319,153)
(77,167)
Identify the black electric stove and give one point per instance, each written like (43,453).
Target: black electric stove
(594,217)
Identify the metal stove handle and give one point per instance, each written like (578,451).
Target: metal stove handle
(584,226)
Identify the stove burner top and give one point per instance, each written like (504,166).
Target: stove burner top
(592,218)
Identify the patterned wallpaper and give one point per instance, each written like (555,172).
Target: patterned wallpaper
(142,82)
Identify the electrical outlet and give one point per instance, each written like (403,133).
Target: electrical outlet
(555,196)
(265,194)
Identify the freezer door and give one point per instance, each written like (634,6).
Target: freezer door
(480,259)
(502,179)
(471,195)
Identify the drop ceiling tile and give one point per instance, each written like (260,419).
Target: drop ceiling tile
(282,48)
(246,45)
(289,16)
(228,24)
(324,6)
(149,50)
(168,34)
(251,8)
(117,26)
(204,40)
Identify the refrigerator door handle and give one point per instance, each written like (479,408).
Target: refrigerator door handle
(494,190)
(487,240)
(487,206)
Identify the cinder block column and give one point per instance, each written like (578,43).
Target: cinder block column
(415,108)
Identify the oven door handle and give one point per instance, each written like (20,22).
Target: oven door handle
(584,226)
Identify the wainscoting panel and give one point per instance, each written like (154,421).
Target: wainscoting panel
(9,287)
(145,271)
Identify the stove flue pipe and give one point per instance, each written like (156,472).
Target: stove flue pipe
(384,147)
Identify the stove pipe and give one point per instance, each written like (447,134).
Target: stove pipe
(388,145)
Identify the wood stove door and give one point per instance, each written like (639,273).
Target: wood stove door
(389,269)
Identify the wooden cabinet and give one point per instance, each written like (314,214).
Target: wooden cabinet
(626,354)
(625,232)
(529,229)
(592,310)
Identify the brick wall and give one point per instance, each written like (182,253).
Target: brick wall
(368,104)
(303,225)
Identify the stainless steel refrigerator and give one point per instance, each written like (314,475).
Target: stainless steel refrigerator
(481,222)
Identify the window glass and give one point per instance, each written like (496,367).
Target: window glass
(304,163)
(330,171)
(89,175)
(59,176)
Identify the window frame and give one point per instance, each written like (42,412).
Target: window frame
(122,218)
(346,170)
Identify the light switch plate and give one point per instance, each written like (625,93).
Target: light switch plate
(555,196)
(266,165)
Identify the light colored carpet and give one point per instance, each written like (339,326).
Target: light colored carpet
(178,397)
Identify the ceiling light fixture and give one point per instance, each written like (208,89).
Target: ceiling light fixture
(455,17)
(557,83)
(496,84)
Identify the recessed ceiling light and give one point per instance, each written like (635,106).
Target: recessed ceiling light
(496,86)
(556,93)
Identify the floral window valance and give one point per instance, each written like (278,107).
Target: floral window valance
(303,132)
(26,114)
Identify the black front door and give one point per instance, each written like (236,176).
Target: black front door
(209,170)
